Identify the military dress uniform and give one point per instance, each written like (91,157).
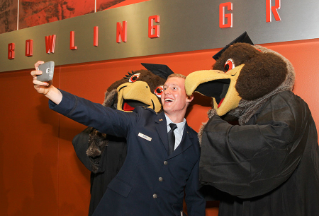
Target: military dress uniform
(150,182)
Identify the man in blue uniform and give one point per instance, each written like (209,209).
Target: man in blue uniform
(155,175)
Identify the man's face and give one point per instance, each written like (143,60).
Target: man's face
(174,97)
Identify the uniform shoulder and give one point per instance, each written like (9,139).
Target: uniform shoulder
(144,112)
(191,130)
(141,109)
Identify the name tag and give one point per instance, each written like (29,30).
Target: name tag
(144,136)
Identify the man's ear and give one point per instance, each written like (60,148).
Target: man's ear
(189,98)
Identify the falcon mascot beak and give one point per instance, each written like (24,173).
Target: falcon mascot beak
(218,85)
(135,94)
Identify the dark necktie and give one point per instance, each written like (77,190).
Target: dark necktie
(171,138)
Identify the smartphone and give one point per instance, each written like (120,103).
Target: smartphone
(47,69)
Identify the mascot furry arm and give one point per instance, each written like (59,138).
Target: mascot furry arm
(103,154)
(269,163)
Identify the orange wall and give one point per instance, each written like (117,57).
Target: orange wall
(39,171)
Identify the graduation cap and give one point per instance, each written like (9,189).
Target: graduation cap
(243,38)
(158,69)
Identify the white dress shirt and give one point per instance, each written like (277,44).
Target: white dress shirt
(178,132)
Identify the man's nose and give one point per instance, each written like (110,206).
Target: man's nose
(166,91)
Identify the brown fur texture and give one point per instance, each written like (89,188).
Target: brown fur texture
(97,144)
(110,99)
(267,69)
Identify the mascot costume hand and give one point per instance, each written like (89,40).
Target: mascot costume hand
(268,164)
(104,154)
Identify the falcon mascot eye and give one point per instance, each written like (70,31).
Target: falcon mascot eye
(158,91)
(229,65)
(273,146)
(134,77)
(104,154)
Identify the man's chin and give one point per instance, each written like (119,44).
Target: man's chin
(167,107)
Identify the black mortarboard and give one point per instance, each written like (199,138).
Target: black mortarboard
(243,38)
(158,69)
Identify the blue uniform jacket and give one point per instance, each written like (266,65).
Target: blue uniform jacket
(150,182)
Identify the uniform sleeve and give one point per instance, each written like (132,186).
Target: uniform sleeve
(251,160)
(194,200)
(104,119)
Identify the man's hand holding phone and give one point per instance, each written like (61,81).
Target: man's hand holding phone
(45,87)
(40,86)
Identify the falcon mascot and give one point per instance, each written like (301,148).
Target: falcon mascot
(268,163)
(104,154)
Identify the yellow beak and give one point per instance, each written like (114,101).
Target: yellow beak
(218,85)
(139,92)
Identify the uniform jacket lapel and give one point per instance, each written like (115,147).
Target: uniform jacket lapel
(161,128)
(187,141)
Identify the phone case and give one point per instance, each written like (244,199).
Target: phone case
(47,69)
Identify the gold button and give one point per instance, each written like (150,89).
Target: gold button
(165,162)
(160,179)
(154,196)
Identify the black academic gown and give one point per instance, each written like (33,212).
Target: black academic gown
(107,165)
(268,167)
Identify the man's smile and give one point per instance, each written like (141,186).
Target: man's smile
(168,100)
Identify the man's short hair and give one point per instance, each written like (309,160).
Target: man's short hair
(177,75)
